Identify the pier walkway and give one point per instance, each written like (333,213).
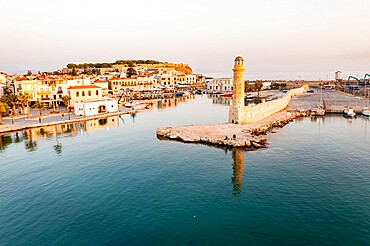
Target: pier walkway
(333,101)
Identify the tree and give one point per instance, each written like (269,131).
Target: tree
(13,99)
(52,83)
(74,73)
(66,100)
(25,100)
(30,145)
(258,86)
(40,106)
(130,71)
(4,108)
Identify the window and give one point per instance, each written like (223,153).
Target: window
(83,93)
(97,92)
(77,93)
(89,93)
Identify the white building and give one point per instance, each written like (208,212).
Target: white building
(2,78)
(95,107)
(2,88)
(220,85)
(338,76)
(191,79)
(168,80)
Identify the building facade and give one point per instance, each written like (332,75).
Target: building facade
(82,93)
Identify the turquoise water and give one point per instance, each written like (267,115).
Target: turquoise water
(115,183)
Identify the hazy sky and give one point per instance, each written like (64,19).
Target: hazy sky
(272,35)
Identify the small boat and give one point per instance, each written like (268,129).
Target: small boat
(349,113)
(227,95)
(136,106)
(249,97)
(318,111)
(139,106)
(128,105)
(366,112)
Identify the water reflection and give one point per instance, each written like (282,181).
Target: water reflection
(219,99)
(238,167)
(172,102)
(31,136)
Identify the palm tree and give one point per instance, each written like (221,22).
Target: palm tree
(25,100)
(258,86)
(52,83)
(65,100)
(4,108)
(13,98)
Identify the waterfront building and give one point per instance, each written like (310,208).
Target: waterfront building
(94,107)
(168,80)
(146,81)
(191,79)
(102,83)
(221,85)
(181,78)
(84,93)
(118,84)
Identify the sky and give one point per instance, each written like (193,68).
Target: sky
(271,35)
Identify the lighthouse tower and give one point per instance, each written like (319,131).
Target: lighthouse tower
(238,82)
(238,93)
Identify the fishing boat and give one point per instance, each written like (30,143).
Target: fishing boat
(349,113)
(227,95)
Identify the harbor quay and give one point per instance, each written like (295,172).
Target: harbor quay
(246,123)
(20,122)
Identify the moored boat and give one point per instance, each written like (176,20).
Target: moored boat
(136,106)
(349,113)
(227,94)
(318,111)
(366,112)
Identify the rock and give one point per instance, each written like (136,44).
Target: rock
(257,145)
(262,140)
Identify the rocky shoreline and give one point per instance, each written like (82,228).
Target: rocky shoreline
(245,136)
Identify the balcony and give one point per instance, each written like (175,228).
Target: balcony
(43,92)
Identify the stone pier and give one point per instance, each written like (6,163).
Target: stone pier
(249,136)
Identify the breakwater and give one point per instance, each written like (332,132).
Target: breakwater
(230,135)
(255,113)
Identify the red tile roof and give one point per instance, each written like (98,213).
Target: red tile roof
(84,87)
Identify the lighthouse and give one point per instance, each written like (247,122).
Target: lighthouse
(238,82)
(237,108)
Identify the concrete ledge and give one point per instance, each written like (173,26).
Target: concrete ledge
(247,136)
(20,128)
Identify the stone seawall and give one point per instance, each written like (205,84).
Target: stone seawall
(251,114)
(246,136)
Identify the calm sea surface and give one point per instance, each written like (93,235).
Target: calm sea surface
(112,182)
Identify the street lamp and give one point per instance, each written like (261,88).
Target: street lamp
(12,120)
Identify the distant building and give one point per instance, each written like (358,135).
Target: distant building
(191,79)
(338,76)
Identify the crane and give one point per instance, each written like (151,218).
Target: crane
(352,77)
(366,82)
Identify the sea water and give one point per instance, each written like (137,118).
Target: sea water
(112,182)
